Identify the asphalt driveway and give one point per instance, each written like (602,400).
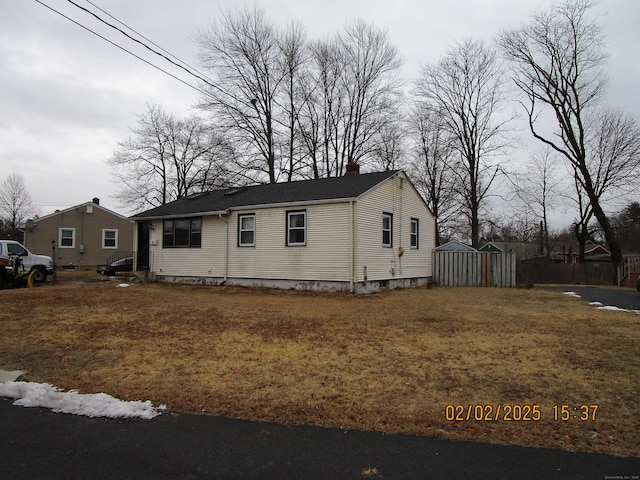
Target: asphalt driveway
(611,296)
(39,444)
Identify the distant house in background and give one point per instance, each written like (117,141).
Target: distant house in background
(85,235)
(455,246)
(522,250)
(596,252)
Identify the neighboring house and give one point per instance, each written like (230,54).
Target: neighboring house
(523,251)
(84,236)
(358,232)
(596,252)
(455,246)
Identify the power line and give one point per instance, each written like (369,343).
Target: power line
(128,51)
(147,39)
(97,17)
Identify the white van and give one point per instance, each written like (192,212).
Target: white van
(41,263)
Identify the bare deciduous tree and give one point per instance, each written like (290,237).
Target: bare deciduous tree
(537,188)
(293,58)
(243,54)
(432,166)
(558,61)
(369,80)
(614,154)
(166,159)
(466,89)
(15,205)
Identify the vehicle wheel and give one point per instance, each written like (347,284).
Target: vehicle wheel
(40,275)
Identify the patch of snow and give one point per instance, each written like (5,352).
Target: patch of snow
(122,285)
(613,309)
(28,394)
(573,294)
(595,303)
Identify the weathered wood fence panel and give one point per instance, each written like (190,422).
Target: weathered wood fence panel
(474,269)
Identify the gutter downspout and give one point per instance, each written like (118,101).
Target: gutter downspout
(400,256)
(226,245)
(351,249)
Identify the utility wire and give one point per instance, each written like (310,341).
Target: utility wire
(165,57)
(147,39)
(127,51)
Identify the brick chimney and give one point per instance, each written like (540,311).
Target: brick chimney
(353,168)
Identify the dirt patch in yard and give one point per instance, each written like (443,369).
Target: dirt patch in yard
(493,365)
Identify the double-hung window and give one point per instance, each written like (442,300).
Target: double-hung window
(387,230)
(67,238)
(109,238)
(296,228)
(414,233)
(247,230)
(182,233)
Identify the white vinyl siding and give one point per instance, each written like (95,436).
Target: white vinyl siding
(205,261)
(403,204)
(325,257)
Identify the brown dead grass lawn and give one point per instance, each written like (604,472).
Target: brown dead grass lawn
(388,362)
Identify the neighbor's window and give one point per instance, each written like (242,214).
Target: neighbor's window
(67,238)
(414,233)
(296,228)
(109,238)
(182,233)
(387,230)
(246,230)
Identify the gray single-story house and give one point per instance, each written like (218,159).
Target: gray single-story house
(84,236)
(358,232)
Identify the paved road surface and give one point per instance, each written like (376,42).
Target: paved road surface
(617,297)
(38,444)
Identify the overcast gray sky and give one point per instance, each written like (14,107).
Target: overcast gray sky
(67,97)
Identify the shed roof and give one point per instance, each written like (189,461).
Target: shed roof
(455,246)
(346,187)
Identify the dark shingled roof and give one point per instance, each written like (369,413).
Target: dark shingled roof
(348,186)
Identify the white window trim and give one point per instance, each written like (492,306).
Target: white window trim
(289,228)
(416,222)
(390,229)
(241,230)
(73,238)
(104,238)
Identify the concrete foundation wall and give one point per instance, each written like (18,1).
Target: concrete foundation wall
(318,286)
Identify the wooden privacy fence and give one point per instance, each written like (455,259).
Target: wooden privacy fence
(474,269)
